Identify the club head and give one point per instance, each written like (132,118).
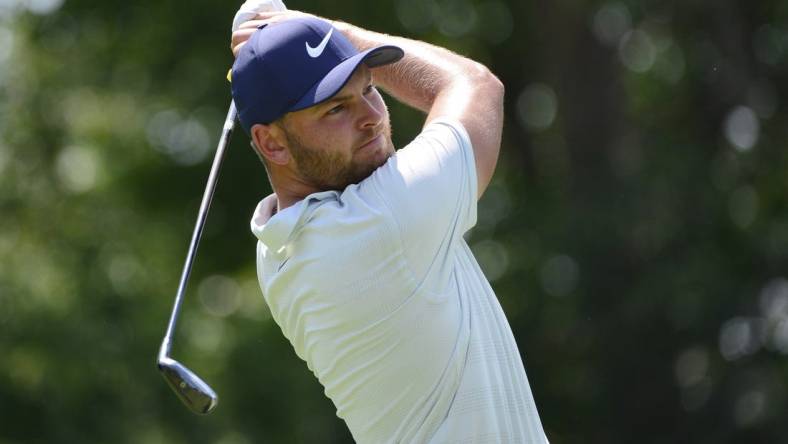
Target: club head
(193,391)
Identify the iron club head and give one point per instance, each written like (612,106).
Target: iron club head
(193,391)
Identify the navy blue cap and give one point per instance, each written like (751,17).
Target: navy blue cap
(294,64)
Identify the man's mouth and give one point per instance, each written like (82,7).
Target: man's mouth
(371,142)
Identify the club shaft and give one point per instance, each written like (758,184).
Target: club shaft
(227,131)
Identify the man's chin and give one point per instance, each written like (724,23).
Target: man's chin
(362,171)
(381,158)
(366,171)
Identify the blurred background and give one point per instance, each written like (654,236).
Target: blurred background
(636,231)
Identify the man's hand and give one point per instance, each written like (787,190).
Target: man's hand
(242,34)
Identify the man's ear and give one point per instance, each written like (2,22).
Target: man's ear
(270,142)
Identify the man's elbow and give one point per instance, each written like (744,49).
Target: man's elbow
(495,85)
(482,77)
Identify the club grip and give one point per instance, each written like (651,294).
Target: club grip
(252,7)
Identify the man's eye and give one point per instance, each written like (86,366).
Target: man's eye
(336,109)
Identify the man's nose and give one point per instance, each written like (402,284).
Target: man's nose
(371,113)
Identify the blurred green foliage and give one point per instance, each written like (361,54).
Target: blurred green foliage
(636,232)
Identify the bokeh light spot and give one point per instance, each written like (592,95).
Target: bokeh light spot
(670,65)
(220,295)
(636,51)
(559,275)
(780,336)
(537,107)
(750,408)
(493,258)
(610,22)
(205,334)
(253,304)
(774,299)
(742,128)
(123,269)
(43,7)
(77,168)
(494,207)
(457,18)
(738,338)
(496,22)
(185,140)
(417,15)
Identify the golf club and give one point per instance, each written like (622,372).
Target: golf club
(193,391)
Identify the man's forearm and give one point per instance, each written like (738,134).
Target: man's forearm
(423,73)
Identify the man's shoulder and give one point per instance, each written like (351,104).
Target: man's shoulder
(347,219)
(442,129)
(337,243)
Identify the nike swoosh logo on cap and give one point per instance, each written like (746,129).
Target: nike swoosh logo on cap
(317,50)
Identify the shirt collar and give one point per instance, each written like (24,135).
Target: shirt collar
(276,229)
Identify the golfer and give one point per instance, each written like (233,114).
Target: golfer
(360,252)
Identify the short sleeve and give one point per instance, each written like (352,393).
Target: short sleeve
(429,187)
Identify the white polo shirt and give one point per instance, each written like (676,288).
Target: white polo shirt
(378,292)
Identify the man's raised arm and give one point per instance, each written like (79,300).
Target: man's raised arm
(444,85)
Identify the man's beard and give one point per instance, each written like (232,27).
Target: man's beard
(331,170)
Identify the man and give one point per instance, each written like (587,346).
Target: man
(360,254)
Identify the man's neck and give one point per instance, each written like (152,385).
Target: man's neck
(289,190)
(284,200)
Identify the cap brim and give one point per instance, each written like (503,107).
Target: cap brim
(340,74)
